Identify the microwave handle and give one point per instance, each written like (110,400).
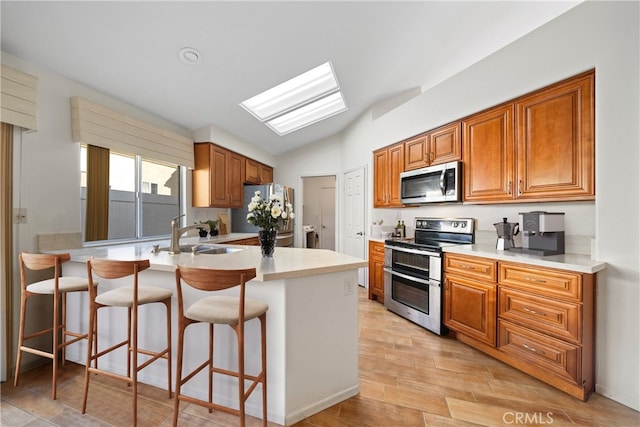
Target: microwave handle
(442,175)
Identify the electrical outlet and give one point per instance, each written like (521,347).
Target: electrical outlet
(19,215)
(348,287)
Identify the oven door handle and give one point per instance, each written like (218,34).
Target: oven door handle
(414,279)
(413,251)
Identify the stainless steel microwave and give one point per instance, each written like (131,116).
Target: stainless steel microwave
(438,183)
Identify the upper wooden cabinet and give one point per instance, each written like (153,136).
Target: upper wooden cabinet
(388,163)
(217,177)
(555,141)
(488,146)
(438,146)
(257,173)
(540,147)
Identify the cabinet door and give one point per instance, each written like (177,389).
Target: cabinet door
(396,167)
(376,271)
(266,174)
(488,139)
(251,171)
(235,175)
(445,144)
(380,177)
(416,153)
(470,308)
(556,142)
(218,164)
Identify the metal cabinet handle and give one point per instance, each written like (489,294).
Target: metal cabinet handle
(533,279)
(533,349)
(520,187)
(467,267)
(509,187)
(528,310)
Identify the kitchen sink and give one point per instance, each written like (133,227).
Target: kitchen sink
(205,249)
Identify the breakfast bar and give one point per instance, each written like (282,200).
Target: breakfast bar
(312,324)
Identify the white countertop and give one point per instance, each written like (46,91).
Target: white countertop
(286,262)
(571,262)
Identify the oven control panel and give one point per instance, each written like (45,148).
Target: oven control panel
(449,225)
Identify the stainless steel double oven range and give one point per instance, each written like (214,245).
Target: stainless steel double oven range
(413,269)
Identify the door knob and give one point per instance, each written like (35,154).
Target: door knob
(360,233)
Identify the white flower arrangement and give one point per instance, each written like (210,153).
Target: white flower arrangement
(269,215)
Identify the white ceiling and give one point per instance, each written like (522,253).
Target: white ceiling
(129,50)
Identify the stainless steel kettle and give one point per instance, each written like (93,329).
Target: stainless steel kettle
(506,231)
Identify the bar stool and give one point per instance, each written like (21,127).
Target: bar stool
(131,297)
(59,286)
(217,309)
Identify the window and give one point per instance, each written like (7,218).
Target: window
(144,195)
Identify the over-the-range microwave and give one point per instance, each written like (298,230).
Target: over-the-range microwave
(438,183)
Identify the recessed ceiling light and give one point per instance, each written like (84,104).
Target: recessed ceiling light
(301,101)
(189,55)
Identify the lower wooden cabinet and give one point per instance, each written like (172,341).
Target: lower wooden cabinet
(251,241)
(376,271)
(539,320)
(470,296)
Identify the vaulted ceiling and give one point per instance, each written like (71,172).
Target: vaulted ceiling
(378,49)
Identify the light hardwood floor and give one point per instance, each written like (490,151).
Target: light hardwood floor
(408,377)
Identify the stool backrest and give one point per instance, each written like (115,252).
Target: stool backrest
(213,279)
(114,269)
(41,262)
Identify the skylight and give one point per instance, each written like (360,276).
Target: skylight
(301,101)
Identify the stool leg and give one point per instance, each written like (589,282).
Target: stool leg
(135,366)
(168,306)
(56,343)
(239,329)
(63,329)
(92,345)
(211,337)
(176,402)
(263,339)
(23,311)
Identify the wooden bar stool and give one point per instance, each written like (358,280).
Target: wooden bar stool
(131,297)
(227,310)
(59,287)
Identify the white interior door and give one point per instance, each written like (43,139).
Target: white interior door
(354,215)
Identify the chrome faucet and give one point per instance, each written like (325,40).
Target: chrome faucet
(176,232)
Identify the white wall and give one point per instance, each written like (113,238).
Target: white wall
(319,159)
(600,35)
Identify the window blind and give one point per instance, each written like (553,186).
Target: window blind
(95,124)
(19,98)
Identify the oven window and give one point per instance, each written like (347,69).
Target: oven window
(409,293)
(408,263)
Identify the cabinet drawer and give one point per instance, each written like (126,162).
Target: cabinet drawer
(472,267)
(376,250)
(549,282)
(550,354)
(558,318)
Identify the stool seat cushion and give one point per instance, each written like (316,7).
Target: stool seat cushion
(123,296)
(65,284)
(224,309)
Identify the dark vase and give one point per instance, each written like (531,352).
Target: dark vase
(267,242)
(214,232)
(202,232)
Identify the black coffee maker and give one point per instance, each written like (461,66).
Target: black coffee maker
(542,232)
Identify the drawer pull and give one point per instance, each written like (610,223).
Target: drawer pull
(533,279)
(533,349)
(528,310)
(467,267)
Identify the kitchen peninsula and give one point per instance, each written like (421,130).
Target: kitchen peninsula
(312,324)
